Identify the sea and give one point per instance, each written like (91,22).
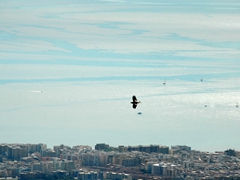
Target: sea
(69,69)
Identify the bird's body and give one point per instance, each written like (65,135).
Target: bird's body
(135,102)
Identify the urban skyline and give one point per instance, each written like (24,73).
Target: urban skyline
(36,161)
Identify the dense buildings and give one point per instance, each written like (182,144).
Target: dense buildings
(36,161)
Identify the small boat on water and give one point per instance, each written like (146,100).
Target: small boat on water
(164,83)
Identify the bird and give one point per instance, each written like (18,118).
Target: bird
(135,102)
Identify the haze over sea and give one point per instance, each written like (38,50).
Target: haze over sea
(69,68)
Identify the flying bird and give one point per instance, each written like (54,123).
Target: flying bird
(135,102)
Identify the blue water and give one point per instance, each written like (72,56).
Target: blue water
(85,56)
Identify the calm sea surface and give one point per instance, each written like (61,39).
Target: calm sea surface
(68,70)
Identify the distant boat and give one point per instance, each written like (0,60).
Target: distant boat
(237,105)
(201,79)
(164,83)
(139,113)
(34,91)
(205,105)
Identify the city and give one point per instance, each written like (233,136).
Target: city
(37,161)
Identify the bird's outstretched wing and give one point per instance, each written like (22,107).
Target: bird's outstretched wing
(134,98)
